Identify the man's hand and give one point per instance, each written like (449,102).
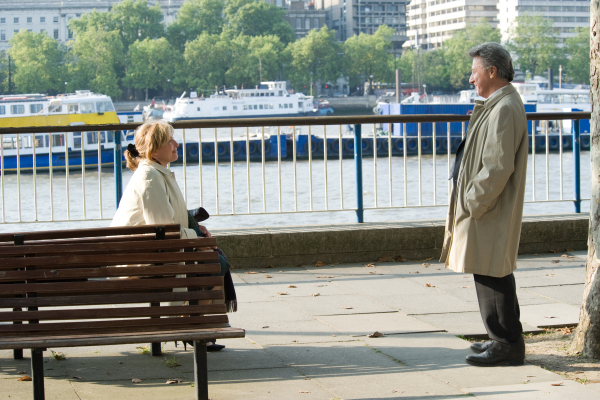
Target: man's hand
(204,231)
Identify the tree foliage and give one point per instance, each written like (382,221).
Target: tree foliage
(195,17)
(38,62)
(577,49)
(457,48)
(261,19)
(207,59)
(136,20)
(533,41)
(254,59)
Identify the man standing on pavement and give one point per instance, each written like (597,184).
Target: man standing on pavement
(483,226)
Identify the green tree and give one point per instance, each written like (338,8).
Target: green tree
(97,57)
(193,18)
(135,20)
(534,42)
(315,57)
(254,59)
(435,70)
(207,60)
(578,52)
(38,62)
(367,55)
(4,74)
(261,19)
(151,65)
(457,48)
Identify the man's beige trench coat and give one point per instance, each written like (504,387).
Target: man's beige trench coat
(483,226)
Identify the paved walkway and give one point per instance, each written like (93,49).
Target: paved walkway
(306,338)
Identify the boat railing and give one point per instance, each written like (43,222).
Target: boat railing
(291,165)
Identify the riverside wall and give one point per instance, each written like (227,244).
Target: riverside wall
(412,240)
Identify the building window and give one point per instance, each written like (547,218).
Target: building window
(316,23)
(70,34)
(42,30)
(298,23)
(42,19)
(307,23)
(55,20)
(29,20)
(2,35)
(56,34)
(16,20)
(2,20)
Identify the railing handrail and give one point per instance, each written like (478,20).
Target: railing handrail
(292,121)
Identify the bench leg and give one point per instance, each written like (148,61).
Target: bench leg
(18,354)
(37,373)
(155,349)
(200,370)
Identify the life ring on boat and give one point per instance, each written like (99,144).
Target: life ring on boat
(208,149)
(191,150)
(253,147)
(584,142)
(382,146)
(313,146)
(349,145)
(567,142)
(426,143)
(320,146)
(399,144)
(554,142)
(367,146)
(237,148)
(222,149)
(412,144)
(441,145)
(455,141)
(334,146)
(540,143)
(267,147)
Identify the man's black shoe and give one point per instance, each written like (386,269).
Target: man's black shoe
(481,347)
(499,354)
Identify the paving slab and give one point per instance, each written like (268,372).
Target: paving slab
(337,304)
(56,389)
(381,285)
(251,292)
(442,356)
(536,391)
(293,332)
(569,294)
(303,289)
(271,384)
(353,370)
(467,324)
(386,323)
(527,298)
(148,389)
(428,301)
(288,274)
(257,314)
(549,315)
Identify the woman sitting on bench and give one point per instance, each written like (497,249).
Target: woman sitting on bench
(153,196)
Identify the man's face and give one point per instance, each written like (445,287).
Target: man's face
(482,78)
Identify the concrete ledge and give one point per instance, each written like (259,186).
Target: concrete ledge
(346,243)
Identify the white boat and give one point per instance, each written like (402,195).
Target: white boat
(26,151)
(268,100)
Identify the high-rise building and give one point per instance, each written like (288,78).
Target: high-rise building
(303,17)
(351,17)
(566,15)
(431,22)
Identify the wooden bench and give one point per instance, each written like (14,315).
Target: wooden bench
(59,288)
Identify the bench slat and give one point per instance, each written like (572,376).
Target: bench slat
(90,232)
(101,313)
(119,247)
(87,299)
(120,325)
(213,331)
(155,270)
(107,259)
(112,285)
(85,240)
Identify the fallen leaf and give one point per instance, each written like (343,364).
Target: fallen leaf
(172,381)
(282,293)
(549,274)
(549,316)
(466,287)
(315,294)
(555,261)
(325,277)
(303,391)
(566,330)
(77,377)
(136,380)
(569,250)
(251,272)
(537,255)
(348,307)
(370,265)
(24,378)
(416,272)
(319,264)
(332,335)
(527,380)
(294,341)
(262,271)
(553,251)
(428,285)
(530,376)
(292,286)
(269,266)
(386,258)
(22,372)
(320,285)
(268,276)
(556,384)
(307,379)
(375,334)
(265,327)
(399,258)
(372,273)
(426,265)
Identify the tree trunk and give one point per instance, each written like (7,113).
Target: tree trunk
(587,336)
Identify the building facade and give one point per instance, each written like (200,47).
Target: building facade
(52,16)
(351,17)
(303,17)
(566,15)
(431,22)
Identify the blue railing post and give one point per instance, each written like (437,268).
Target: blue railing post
(358,167)
(118,168)
(576,165)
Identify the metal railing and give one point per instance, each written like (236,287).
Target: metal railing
(288,183)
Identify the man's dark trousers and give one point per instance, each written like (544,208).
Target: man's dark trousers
(499,307)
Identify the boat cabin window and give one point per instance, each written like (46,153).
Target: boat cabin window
(28,141)
(110,137)
(41,140)
(245,107)
(17,109)
(251,94)
(92,137)
(58,139)
(129,118)
(224,108)
(2,110)
(9,143)
(55,108)
(73,108)
(87,108)
(197,108)
(300,104)
(291,105)
(76,140)
(262,94)
(235,107)
(260,106)
(35,108)
(281,92)
(285,105)
(271,106)
(255,107)
(105,106)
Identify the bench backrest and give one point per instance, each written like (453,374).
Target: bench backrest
(81,282)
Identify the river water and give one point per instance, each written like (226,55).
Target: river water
(321,193)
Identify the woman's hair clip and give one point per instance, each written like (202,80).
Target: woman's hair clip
(132,150)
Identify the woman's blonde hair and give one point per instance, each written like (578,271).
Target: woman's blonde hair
(149,137)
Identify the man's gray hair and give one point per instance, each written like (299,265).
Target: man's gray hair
(493,54)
